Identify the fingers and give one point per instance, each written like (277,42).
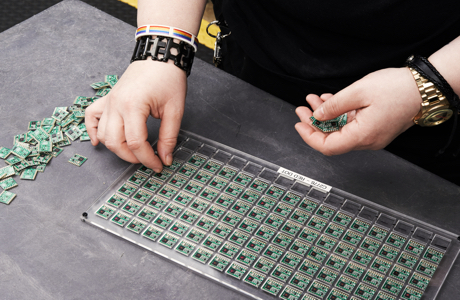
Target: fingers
(304,114)
(314,101)
(351,116)
(335,143)
(92,115)
(327,143)
(344,101)
(101,128)
(136,141)
(169,130)
(320,141)
(115,141)
(326,96)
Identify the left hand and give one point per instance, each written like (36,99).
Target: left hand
(385,102)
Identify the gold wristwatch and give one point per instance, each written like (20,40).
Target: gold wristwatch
(434,108)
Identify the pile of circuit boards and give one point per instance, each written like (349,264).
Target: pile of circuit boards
(34,149)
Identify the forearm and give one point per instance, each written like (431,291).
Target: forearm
(447,61)
(183,14)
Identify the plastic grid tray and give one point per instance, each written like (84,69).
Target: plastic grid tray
(270,232)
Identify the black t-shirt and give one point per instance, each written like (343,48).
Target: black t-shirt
(291,48)
(330,44)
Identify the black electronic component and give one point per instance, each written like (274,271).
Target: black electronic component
(404,228)
(368,214)
(222,156)
(334,200)
(351,207)
(422,235)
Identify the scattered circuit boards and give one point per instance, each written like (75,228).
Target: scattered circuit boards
(330,125)
(45,139)
(268,235)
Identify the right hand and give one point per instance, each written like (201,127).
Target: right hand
(382,113)
(118,120)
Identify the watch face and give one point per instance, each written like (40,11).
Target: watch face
(437,117)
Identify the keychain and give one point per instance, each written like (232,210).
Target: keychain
(217,59)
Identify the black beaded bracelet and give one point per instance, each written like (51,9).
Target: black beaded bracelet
(428,71)
(159,48)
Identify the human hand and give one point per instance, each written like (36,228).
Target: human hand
(118,120)
(384,102)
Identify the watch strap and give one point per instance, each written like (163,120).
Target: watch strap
(428,71)
(159,48)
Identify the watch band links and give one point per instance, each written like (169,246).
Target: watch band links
(433,101)
(428,71)
(427,89)
(160,49)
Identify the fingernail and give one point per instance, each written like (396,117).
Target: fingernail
(319,113)
(156,170)
(169,159)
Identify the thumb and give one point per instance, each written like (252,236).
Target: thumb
(342,102)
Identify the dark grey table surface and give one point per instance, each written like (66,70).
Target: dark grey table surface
(46,252)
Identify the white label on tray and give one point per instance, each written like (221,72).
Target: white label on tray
(305,179)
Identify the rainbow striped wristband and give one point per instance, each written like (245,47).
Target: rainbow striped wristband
(168,32)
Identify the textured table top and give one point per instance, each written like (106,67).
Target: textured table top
(46,252)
